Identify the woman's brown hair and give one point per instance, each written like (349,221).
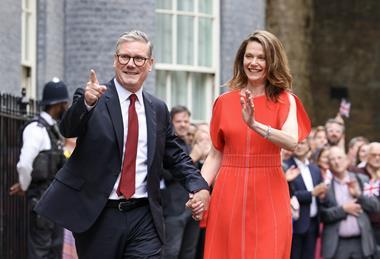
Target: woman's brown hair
(278,74)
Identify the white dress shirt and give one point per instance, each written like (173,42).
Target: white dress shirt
(35,139)
(308,180)
(142,146)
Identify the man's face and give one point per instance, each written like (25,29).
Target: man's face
(130,76)
(320,139)
(334,133)
(373,159)
(62,107)
(301,149)
(190,134)
(338,161)
(181,123)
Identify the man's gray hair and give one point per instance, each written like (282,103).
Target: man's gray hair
(134,35)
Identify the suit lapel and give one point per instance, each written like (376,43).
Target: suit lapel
(313,174)
(114,110)
(151,124)
(332,192)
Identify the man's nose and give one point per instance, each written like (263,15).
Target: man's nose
(130,63)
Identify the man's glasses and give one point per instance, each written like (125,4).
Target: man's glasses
(138,61)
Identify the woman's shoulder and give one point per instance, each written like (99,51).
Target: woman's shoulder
(228,95)
(285,97)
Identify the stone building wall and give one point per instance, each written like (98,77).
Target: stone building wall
(291,21)
(333,51)
(346,55)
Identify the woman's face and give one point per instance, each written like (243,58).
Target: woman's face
(363,152)
(323,161)
(255,63)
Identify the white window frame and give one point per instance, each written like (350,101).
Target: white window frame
(29,46)
(214,70)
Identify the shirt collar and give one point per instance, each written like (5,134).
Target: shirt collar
(124,93)
(47,117)
(299,162)
(345,180)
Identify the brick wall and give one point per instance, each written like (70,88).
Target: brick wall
(91,31)
(10,46)
(50,42)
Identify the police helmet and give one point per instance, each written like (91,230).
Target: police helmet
(54,92)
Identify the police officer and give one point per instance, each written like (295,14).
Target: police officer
(40,158)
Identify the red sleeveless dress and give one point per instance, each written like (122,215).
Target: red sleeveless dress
(249,215)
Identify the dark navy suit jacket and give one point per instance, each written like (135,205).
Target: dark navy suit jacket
(81,188)
(304,197)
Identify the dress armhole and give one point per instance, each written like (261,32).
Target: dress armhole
(216,132)
(303,120)
(290,124)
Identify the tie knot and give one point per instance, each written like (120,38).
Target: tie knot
(132,98)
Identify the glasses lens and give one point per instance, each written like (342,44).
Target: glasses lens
(124,59)
(139,61)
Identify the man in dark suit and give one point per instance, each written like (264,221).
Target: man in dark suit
(347,231)
(108,192)
(307,187)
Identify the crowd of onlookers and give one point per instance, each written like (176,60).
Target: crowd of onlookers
(335,194)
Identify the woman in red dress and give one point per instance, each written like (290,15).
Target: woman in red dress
(249,214)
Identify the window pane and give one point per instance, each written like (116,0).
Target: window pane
(164,4)
(205,42)
(205,6)
(199,101)
(179,88)
(164,38)
(161,84)
(185,40)
(185,5)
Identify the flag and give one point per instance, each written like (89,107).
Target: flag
(345,107)
(372,188)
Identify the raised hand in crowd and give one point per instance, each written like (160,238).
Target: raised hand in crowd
(320,190)
(201,147)
(353,208)
(353,187)
(292,173)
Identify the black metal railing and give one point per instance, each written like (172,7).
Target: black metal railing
(14,112)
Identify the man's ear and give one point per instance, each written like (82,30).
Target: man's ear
(114,61)
(151,64)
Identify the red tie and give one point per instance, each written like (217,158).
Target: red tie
(128,173)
